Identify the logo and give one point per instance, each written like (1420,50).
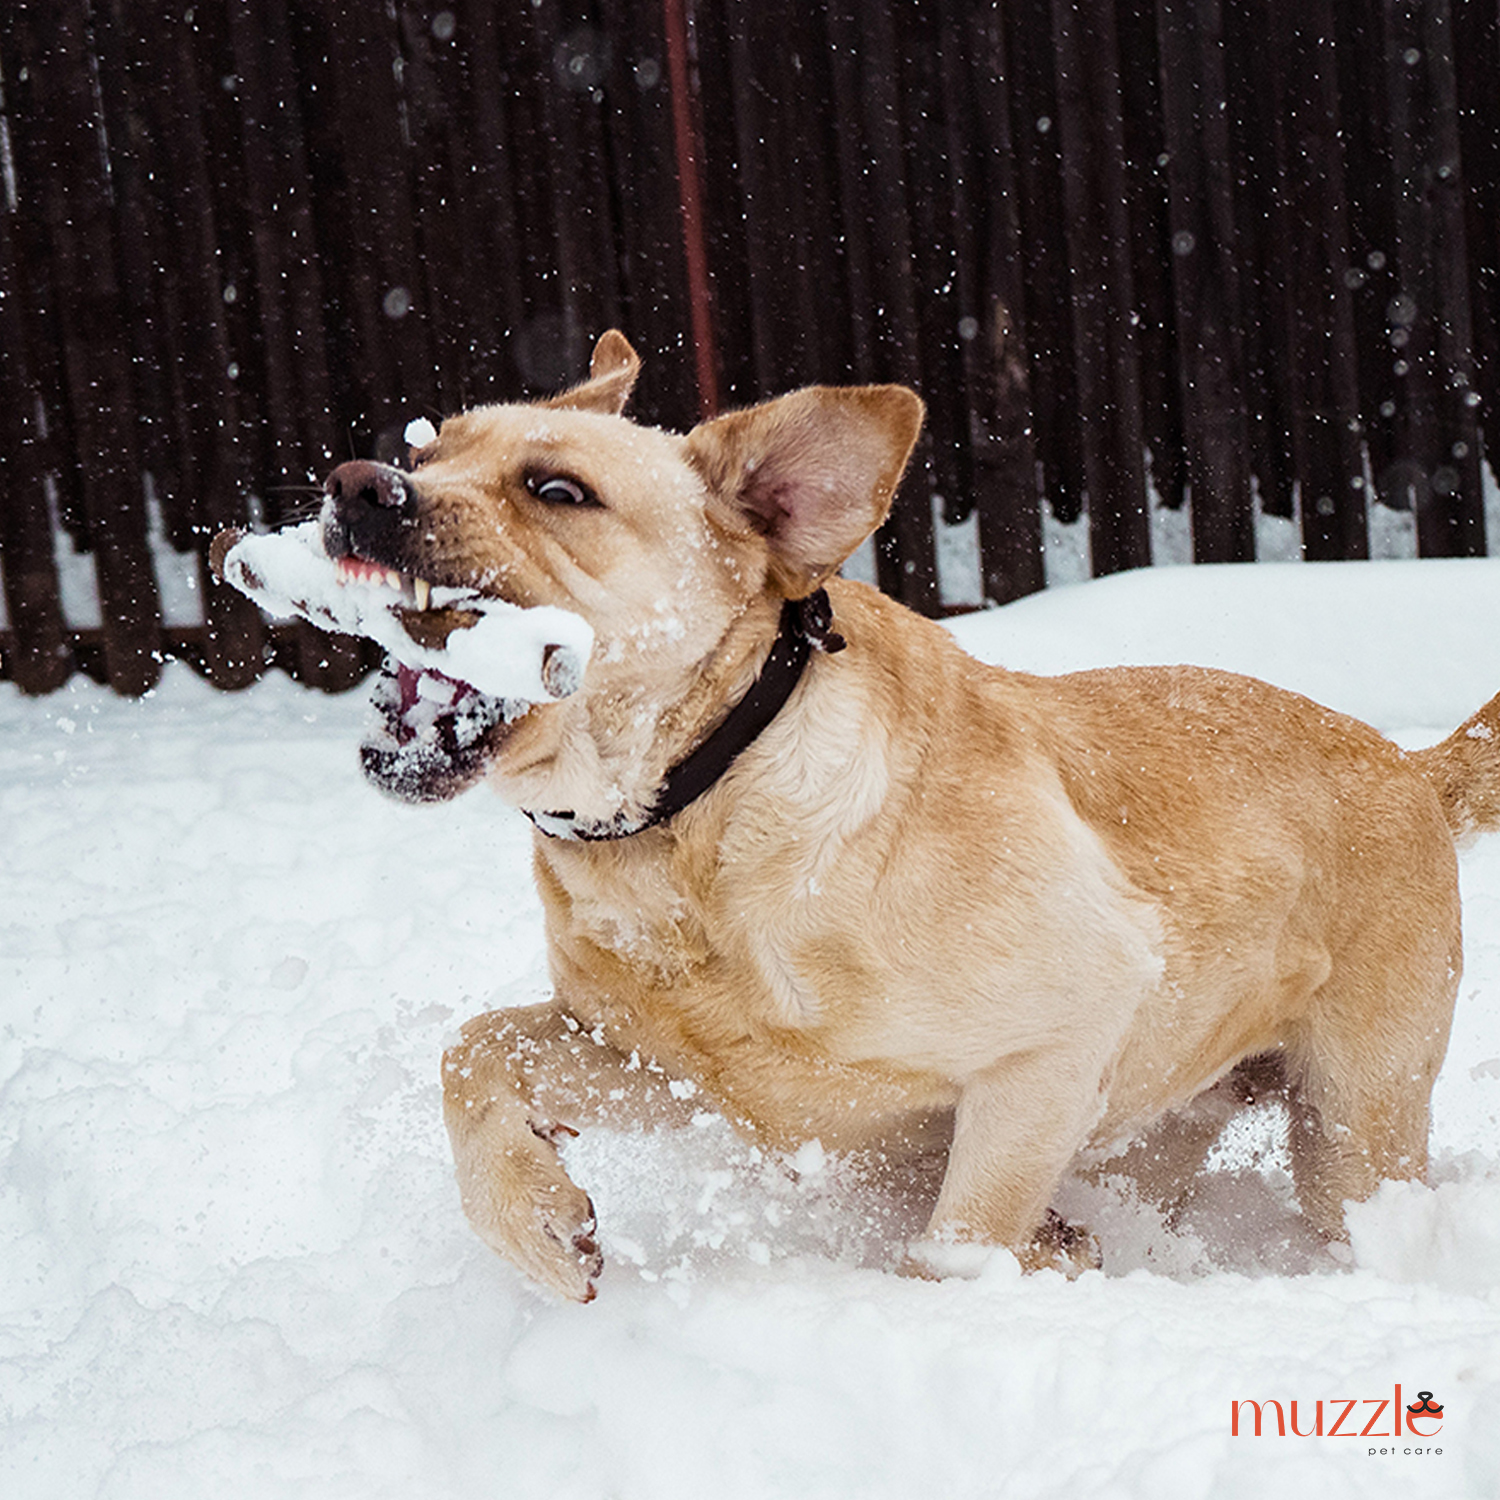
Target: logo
(1424,1404)
(1341,1416)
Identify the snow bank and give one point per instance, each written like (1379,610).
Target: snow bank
(234,1258)
(1393,643)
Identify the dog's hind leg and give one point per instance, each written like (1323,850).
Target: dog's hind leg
(1357,1119)
(514,1083)
(1360,1071)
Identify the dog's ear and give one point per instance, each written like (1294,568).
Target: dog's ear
(813,472)
(612,373)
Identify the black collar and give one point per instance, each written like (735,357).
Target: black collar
(806,625)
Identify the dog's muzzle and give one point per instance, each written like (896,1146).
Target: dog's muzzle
(371,512)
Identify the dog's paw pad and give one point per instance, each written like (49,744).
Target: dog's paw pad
(587,1245)
(575,1259)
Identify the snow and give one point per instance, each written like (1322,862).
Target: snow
(502,654)
(234,1261)
(1393,643)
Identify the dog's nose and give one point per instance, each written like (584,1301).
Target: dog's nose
(360,483)
(371,512)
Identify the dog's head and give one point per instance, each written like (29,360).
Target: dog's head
(665,544)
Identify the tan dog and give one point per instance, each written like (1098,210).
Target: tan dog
(930,898)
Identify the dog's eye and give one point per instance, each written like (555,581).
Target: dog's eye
(558,489)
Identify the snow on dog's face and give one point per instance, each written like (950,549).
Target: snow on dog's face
(563,503)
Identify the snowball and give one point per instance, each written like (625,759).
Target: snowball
(535,655)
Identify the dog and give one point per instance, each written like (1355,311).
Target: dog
(805,862)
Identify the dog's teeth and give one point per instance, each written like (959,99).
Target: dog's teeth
(393,579)
(421,592)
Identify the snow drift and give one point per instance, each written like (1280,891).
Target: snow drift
(234,1258)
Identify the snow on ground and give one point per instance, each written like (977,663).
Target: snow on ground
(233,1258)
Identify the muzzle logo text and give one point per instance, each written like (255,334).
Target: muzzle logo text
(1341,1416)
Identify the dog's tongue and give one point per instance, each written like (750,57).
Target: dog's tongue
(406,681)
(425,693)
(424,682)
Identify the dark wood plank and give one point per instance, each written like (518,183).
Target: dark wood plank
(1477,62)
(1256,133)
(578,57)
(127,73)
(992,330)
(1095,199)
(1430,326)
(1205,261)
(1044,247)
(937,207)
(208,280)
(657,302)
(1366,126)
(1146,162)
(64,160)
(466,188)
(37,658)
(369,224)
(868,34)
(289,334)
(1311,229)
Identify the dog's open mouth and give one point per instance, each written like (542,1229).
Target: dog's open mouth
(431,735)
(462,667)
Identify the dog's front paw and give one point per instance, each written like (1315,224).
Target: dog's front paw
(570,1259)
(526,1208)
(939,1257)
(1056,1246)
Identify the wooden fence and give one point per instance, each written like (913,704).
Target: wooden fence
(1244,252)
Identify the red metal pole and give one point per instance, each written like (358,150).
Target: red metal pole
(689,148)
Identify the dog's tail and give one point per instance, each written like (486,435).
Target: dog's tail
(1464,770)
